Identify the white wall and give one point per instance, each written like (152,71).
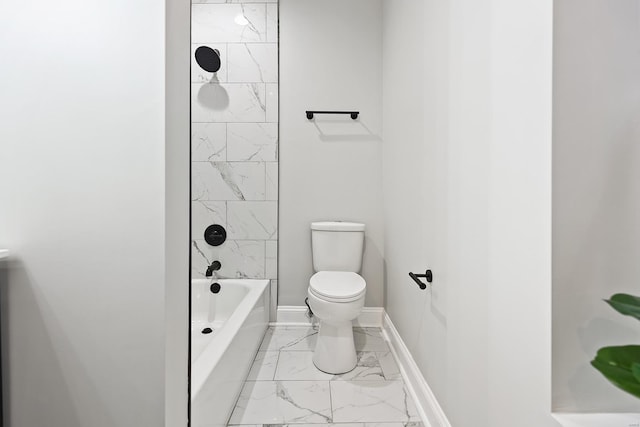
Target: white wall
(330,59)
(177,238)
(477,152)
(82,209)
(596,195)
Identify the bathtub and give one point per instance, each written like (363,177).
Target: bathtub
(220,361)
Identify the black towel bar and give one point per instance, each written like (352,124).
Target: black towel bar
(353,114)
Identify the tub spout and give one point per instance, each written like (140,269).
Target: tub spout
(215,266)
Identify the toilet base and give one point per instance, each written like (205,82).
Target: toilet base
(335,351)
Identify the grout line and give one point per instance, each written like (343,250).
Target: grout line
(226,142)
(331,401)
(226,68)
(276,369)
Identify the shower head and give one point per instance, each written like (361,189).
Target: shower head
(208,59)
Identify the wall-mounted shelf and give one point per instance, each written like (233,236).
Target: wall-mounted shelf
(353,114)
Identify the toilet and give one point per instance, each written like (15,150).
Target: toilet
(336,292)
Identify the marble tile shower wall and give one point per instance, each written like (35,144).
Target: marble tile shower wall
(234,114)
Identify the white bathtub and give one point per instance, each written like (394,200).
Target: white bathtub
(220,361)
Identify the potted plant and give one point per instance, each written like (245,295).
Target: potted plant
(621,364)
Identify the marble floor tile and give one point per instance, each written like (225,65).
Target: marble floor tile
(290,391)
(289,339)
(369,339)
(283,402)
(367,369)
(372,401)
(298,365)
(389,366)
(264,366)
(409,424)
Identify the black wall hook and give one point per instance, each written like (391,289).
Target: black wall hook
(428,275)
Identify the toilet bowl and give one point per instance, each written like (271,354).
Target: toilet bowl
(336,298)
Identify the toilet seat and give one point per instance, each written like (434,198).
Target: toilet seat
(337,286)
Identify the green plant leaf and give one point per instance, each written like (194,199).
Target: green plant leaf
(621,366)
(635,370)
(626,304)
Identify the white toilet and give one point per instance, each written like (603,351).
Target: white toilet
(336,292)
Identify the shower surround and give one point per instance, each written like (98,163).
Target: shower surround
(234,115)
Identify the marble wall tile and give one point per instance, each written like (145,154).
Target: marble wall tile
(205,213)
(198,75)
(252,142)
(272,107)
(279,402)
(271,181)
(228,23)
(253,62)
(372,401)
(228,181)
(271,261)
(239,259)
(229,102)
(235,136)
(272,22)
(252,220)
(208,142)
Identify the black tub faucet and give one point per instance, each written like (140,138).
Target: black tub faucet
(215,266)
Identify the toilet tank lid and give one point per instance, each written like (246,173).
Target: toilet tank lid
(337,226)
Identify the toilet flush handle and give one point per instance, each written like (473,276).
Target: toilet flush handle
(427,275)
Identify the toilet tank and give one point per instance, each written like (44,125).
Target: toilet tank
(337,246)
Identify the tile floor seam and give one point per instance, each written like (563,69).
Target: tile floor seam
(331,401)
(276,368)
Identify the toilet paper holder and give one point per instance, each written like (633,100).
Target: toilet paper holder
(428,275)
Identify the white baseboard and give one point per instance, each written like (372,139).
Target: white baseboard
(428,406)
(293,315)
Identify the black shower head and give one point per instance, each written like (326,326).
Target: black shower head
(208,59)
